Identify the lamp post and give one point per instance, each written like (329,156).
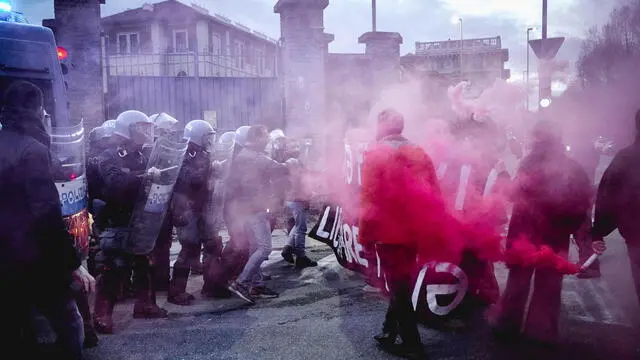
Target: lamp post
(528,31)
(455,20)
(373,15)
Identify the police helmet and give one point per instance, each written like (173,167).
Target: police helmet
(163,123)
(101,132)
(241,135)
(276,134)
(201,133)
(134,126)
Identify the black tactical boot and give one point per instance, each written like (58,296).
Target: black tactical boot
(178,288)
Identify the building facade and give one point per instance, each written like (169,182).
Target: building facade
(478,61)
(170,38)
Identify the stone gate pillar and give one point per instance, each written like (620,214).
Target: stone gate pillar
(303,59)
(78,30)
(383,49)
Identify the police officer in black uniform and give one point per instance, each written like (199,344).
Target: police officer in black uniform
(191,194)
(122,167)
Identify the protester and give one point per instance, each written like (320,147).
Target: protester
(397,249)
(37,258)
(299,202)
(584,151)
(551,197)
(248,191)
(618,203)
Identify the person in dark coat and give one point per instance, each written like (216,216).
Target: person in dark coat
(37,257)
(551,196)
(248,190)
(585,153)
(618,203)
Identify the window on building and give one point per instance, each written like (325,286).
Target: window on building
(494,42)
(239,55)
(180,40)
(260,60)
(216,44)
(128,43)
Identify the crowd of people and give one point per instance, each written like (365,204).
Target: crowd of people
(45,273)
(243,181)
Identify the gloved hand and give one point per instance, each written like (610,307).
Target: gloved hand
(154,172)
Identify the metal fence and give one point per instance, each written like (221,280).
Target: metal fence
(190,64)
(228,91)
(228,102)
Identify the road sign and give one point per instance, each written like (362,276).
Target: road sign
(550,48)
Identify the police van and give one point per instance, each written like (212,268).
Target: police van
(29,52)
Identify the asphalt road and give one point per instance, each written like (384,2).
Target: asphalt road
(323,313)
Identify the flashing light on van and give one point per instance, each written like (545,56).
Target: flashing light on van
(5,6)
(62,53)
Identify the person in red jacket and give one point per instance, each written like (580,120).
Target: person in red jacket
(392,171)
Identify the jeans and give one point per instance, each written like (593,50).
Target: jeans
(298,235)
(258,230)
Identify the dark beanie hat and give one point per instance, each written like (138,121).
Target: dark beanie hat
(23,95)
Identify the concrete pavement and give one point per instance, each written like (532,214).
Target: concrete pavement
(323,313)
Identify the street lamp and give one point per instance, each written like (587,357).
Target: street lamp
(455,20)
(528,31)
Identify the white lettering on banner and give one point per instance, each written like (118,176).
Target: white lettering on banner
(491,180)
(460,288)
(359,162)
(349,243)
(465,171)
(321,232)
(336,226)
(348,164)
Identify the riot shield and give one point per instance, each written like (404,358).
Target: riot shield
(68,165)
(154,198)
(222,155)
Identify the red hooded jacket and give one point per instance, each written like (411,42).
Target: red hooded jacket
(399,189)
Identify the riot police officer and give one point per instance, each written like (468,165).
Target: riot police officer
(122,167)
(99,140)
(191,193)
(164,125)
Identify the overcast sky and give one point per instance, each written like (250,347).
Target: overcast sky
(416,20)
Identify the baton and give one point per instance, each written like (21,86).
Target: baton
(589,262)
(161,170)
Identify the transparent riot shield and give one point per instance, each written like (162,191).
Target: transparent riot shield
(222,155)
(154,198)
(68,167)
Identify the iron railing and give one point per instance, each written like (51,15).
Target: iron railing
(190,64)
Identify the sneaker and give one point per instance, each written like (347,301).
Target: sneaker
(263,292)
(304,262)
(242,292)
(287,254)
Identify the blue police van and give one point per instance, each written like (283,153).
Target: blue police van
(29,52)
